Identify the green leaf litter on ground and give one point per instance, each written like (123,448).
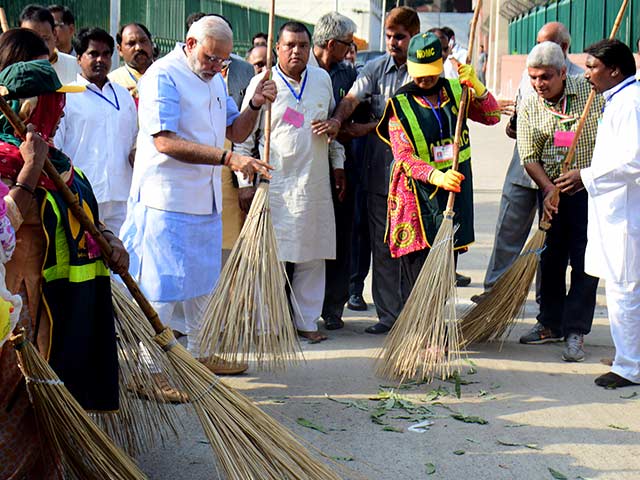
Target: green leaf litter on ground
(471,440)
(431,468)
(632,395)
(349,403)
(459,452)
(469,418)
(313,426)
(342,459)
(515,425)
(389,428)
(510,443)
(557,475)
(618,427)
(435,394)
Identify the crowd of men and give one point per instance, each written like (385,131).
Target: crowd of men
(151,135)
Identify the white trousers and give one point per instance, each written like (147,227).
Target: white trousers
(307,284)
(171,314)
(623,303)
(113,215)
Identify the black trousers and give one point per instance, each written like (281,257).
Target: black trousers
(410,267)
(360,239)
(338,271)
(386,269)
(562,311)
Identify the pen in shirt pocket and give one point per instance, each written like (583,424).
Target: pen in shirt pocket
(219,102)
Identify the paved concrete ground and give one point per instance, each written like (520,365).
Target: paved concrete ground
(542,413)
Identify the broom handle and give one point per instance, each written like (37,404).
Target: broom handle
(267,116)
(546,222)
(78,212)
(3,20)
(462,108)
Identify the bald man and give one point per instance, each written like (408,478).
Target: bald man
(520,194)
(258,58)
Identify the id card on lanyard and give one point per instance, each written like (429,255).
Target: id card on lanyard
(440,153)
(563,137)
(292,116)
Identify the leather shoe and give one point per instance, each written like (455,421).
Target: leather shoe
(613,380)
(357,303)
(377,329)
(331,322)
(222,367)
(462,280)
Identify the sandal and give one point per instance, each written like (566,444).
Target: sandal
(313,337)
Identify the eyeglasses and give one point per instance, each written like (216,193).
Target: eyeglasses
(59,25)
(223,62)
(348,44)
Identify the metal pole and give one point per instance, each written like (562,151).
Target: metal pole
(382,18)
(114,25)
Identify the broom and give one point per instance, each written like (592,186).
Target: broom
(249,309)
(86,451)
(139,425)
(495,316)
(269,451)
(425,340)
(3,20)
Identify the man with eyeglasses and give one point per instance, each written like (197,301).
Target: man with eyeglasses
(332,37)
(65,28)
(300,192)
(376,83)
(173,230)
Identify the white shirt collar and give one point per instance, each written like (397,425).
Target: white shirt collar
(607,94)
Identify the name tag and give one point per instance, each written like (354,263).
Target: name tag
(563,139)
(443,153)
(293,117)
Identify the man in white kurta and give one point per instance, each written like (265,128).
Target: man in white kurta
(300,191)
(173,229)
(99,128)
(613,184)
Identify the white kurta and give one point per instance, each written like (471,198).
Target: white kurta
(613,247)
(300,192)
(613,183)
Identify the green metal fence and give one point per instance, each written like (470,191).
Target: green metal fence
(587,20)
(164,18)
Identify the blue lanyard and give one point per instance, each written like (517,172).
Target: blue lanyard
(114,105)
(131,75)
(437,114)
(297,96)
(617,92)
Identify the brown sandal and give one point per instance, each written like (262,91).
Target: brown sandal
(313,337)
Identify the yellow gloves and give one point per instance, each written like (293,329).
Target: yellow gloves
(449,180)
(467,76)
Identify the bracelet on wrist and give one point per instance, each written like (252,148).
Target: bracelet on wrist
(226,155)
(106,230)
(252,106)
(25,187)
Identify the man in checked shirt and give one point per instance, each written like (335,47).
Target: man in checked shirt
(546,128)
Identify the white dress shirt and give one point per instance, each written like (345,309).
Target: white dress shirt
(98,132)
(66,67)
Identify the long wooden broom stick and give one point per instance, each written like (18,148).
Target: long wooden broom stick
(424,340)
(3,20)
(265,449)
(494,316)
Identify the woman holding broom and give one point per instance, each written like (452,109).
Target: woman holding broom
(56,268)
(419,124)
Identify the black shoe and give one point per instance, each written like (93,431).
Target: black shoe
(377,328)
(331,322)
(462,281)
(357,303)
(613,380)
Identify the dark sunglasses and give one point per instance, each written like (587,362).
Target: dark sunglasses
(397,36)
(348,44)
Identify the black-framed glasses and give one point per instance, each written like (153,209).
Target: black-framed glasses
(348,44)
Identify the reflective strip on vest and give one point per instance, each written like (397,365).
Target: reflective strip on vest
(418,138)
(74,273)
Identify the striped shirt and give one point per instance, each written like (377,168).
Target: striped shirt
(539,120)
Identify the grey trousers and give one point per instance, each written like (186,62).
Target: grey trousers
(518,207)
(386,269)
